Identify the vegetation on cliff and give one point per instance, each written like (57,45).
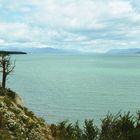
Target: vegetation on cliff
(17,122)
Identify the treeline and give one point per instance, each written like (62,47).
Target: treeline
(113,127)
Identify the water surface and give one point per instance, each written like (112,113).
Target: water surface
(75,87)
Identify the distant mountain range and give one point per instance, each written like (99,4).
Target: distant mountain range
(124,51)
(65,51)
(39,50)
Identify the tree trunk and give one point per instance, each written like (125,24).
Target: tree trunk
(3,77)
(3,81)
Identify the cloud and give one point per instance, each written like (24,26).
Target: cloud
(89,25)
(120,8)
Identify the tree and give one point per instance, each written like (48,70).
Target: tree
(7,67)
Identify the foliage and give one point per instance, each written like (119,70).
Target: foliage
(6,67)
(113,127)
(11,94)
(7,101)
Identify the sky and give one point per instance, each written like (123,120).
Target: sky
(85,25)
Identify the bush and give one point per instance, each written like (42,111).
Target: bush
(90,131)
(77,131)
(7,101)
(113,127)
(28,113)
(11,94)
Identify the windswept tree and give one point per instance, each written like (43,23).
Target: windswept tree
(6,67)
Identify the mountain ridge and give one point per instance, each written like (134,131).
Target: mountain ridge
(124,51)
(40,50)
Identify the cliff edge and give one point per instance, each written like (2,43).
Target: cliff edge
(17,122)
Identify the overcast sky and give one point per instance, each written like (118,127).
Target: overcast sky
(87,25)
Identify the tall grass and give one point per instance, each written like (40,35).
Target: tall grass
(113,127)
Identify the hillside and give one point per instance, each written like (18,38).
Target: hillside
(17,122)
(124,51)
(47,50)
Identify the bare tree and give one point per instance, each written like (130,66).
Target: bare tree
(6,67)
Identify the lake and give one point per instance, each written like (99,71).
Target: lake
(75,87)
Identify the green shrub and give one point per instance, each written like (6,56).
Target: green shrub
(126,125)
(61,130)
(108,128)
(11,94)
(16,111)
(2,92)
(113,127)
(77,131)
(90,131)
(53,128)
(29,113)
(7,101)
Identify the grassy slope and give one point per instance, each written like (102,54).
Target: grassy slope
(16,122)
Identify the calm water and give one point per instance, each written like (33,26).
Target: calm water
(75,87)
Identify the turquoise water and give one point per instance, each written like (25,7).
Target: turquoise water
(75,87)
